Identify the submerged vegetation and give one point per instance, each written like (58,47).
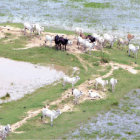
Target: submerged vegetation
(97,5)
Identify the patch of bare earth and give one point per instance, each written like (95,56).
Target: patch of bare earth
(15,33)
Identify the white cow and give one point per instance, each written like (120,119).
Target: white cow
(4,131)
(70,80)
(133,49)
(122,42)
(52,114)
(39,29)
(50,39)
(99,81)
(93,94)
(113,83)
(110,39)
(77,93)
(89,45)
(28,26)
(78,31)
(80,41)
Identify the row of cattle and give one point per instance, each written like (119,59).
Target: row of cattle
(89,41)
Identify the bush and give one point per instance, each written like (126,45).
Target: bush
(5,97)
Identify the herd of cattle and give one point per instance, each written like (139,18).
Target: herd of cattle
(86,41)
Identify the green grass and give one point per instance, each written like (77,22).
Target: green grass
(2,14)
(135,1)
(97,5)
(76,0)
(51,0)
(56,30)
(19,25)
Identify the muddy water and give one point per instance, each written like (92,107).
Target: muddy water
(122,122)
(119,18)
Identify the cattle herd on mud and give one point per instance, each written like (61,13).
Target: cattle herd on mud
(86,42)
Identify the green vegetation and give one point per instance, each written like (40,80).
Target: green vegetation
(5,97)
(52,0)
(97,5)
(2,14)
(76,0)
(105,58)
(135,1)
(19,25)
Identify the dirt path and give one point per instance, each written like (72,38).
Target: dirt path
(125,67)
(13,32)
(82,62)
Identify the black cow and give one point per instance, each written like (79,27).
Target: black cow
(59,41)
(91,38)
(64,42)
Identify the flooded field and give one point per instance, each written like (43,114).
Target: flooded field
(115,16)
(118,123)
(20,78)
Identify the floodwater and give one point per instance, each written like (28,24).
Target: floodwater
(118,123)
(20,78)
(121,17)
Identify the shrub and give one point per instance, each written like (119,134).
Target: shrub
(5,97)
